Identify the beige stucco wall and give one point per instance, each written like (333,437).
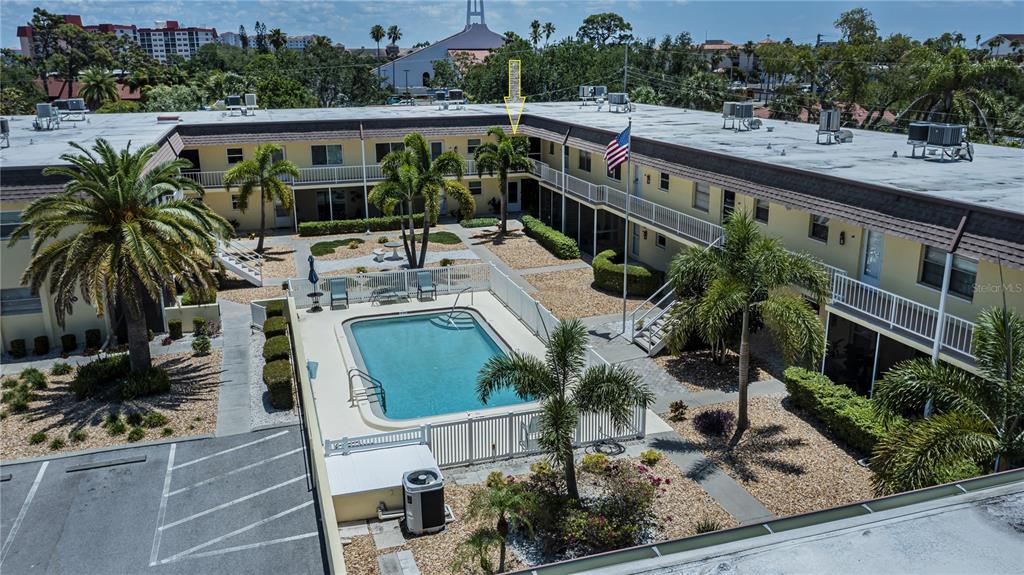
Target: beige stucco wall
(364,505)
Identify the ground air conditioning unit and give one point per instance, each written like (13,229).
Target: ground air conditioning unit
(618,102)
(424,501)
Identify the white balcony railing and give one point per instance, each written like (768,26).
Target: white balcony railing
(317,175)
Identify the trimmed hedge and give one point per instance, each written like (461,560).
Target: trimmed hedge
(68,342)
(846,414)
(277,347)
(93,338)
(199,326)
(385,223)
(274,327)
(277,375)
(174,329)
(275,309)
(608,275)
(562,246)
(97,375)
(18,348)
(479,222)
(151,382)
(41,345)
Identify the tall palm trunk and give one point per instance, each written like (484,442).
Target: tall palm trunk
(409,249)
(138,339)
(503,532)
(503,182)
(570,475)
(423,242)
(743,421)
(263,222)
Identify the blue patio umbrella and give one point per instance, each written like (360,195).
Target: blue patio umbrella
(313,277)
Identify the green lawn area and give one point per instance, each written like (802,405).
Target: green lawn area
(324,248)
(446,238)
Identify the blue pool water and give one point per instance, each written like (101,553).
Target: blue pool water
(427,366)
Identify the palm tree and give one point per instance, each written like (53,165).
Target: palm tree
(394,34)
(746,280)
(535,33)
(549,31)
(977,420)
(118,237)
(97,86)
(277,39)
(504,503)
(505,154)
(411,174)
(377,34)
(566,390)
(262,172)
(475,551)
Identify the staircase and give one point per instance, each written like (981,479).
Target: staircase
(241,261)
(649,320)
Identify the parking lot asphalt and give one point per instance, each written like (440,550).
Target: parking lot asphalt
(237,504)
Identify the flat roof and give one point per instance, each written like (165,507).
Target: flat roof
(363,471)
(995,178)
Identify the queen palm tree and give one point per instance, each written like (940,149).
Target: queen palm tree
(97,86)
(119,237)
(264,173)
(976,420)
(377,34)
(410,174)
(746,281)
(549,31)
(278,39)
(504,503)
(566,390)
(506,153)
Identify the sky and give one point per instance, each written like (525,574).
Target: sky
(349,22)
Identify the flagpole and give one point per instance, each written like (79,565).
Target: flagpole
(625,240)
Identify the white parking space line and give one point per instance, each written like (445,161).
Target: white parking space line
(234,471)
(241,530)
(232,502)
(163,507)
(229,450)
(23,512)
(252,545)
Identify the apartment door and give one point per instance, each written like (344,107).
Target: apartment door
(282,216)
(871,269)
(514,204)
(634,241)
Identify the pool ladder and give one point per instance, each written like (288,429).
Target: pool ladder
(371,387)
(457,296)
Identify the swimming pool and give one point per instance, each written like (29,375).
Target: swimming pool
(426,365)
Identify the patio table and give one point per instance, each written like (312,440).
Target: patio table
(394,245)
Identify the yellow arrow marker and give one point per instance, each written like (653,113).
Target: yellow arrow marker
(514,102)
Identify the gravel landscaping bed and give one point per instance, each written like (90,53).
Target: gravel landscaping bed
(279,262)
(518,251)
(683,502)
(790,465)
(190,408)
(568,294)
(261,412)
(233,288)
(696,371)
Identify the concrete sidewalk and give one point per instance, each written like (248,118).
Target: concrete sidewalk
(233,411)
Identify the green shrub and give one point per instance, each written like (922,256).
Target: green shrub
(194,296)
(650,457)
(68,343)
(380,224)
(154,419)
(56,444)
(61,368)
(18,349)
(118,107)
(443,238)
(199,326)
(361,269)
(846,414)
(275,308)
(115,424)
(136,434)
(274,326)
(277,347)
(201,345)
(383,240)
(277,375)
(166,432)
(174,329)
(93,339)
(37,438)
(134,418)
(608,275)
(445,262)
(324,248)
(479,222)
(707,525)
(562,246)
(41,345)
(95,376)
(677,410)
(593,462)
(34,378)
(8,383)
(17,398)
(150,382)
(78,435)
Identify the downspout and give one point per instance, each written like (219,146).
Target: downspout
(366,196)
(940,320)
(565,155)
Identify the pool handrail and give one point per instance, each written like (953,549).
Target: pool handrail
(375,386)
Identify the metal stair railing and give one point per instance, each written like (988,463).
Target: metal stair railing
(371,386)
(242,258)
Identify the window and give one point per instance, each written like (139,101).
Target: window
(702,197)
(819,228)
(9,221)
(761,211)
(616,174)
(384,148)
(659,241)
(663,184)
(551,148)
(584,161)
(961,277)
(472,144)
(328,155)
(728,203)
(476,188)
(235,155)
(436,149)
(236,202)
(21,300)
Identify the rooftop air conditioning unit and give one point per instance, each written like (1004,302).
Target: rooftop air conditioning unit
(745,110)
(76,105)
(456,95)
(424,501)
(5,133)
(440,95)
(945,135)
(729,109)
(618,98)
(917,132)
(45,111)
(233,101)
(600,91)
(250,100)
(586,91)
(829,121)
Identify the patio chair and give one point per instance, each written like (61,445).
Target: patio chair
(339,291)
(426,284)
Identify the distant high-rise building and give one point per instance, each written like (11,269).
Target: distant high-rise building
(164,39)
(299,42)
(230,38)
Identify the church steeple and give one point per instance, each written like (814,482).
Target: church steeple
(474,8)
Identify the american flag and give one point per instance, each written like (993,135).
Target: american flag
(617,151)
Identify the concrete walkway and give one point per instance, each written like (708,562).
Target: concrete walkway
(480,249)
(233,399)
(578,265)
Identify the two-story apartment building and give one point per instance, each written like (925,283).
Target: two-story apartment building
(881,221)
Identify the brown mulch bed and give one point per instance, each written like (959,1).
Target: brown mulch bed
(518,251)
(569,294)
(683,502)
(190,407)
(783,460)
(279,262)
(696,371)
